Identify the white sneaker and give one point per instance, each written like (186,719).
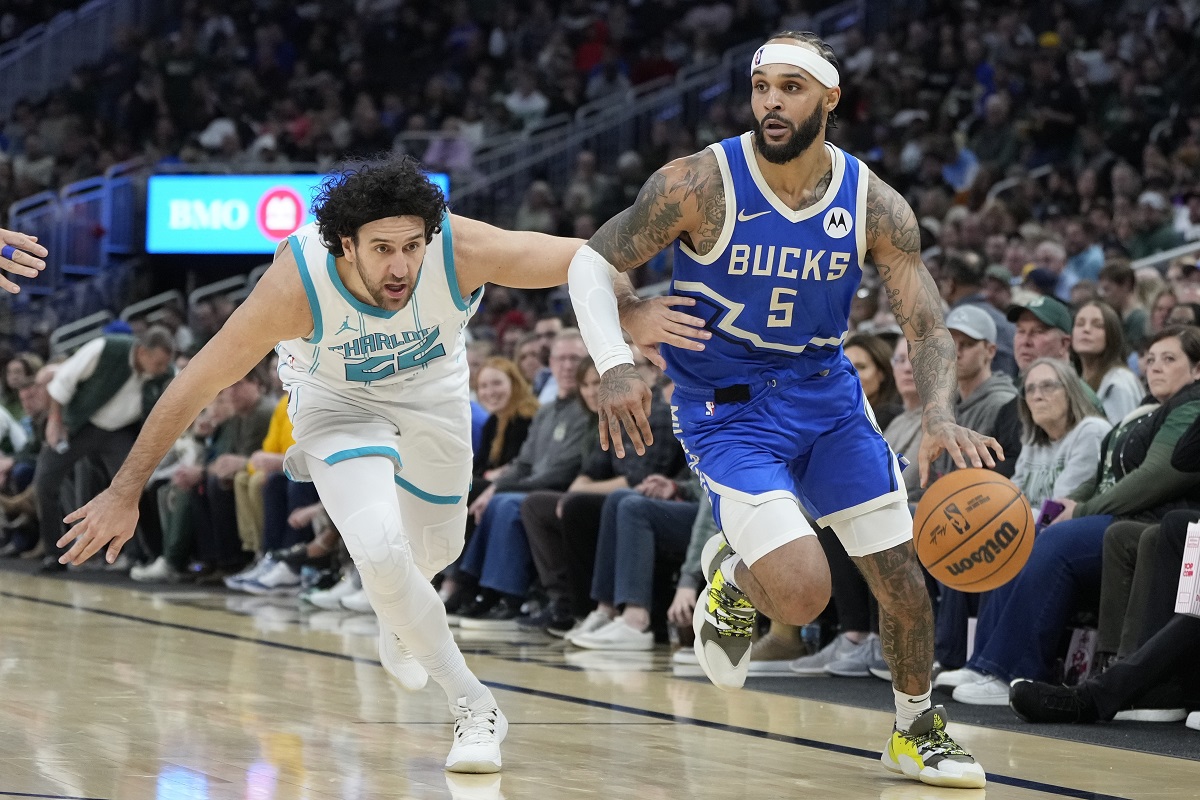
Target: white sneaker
(157,571)
(1193,721)
(616,635)
(358,602)
(277,580)
(857,663)
(473,787)
(589,624)
(815,664)
(250,573)
(685,656)
(400,663)
(723,621)
(479,729)
(331,599)
(987,692)
(953,678)
(1151,715)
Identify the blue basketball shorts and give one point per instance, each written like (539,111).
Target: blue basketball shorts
(813,439)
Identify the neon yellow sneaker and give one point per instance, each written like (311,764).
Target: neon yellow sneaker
(926,752)
(723,622)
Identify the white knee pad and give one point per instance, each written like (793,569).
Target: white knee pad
(876,530)
(755,530)
(435,544)
(376,541)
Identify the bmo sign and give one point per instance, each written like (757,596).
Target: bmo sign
(230,213)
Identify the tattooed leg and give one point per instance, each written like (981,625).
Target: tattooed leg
(905,615)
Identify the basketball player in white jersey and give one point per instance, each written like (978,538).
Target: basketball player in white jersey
(366,307)
(771,230)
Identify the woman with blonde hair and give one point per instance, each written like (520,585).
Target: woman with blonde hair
(505,394)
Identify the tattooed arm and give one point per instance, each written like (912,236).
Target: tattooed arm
(685,199)
(894,242)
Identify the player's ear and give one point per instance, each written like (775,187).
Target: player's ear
(832,97)
(348,247)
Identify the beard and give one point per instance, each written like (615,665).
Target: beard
(378,296)
(802,137)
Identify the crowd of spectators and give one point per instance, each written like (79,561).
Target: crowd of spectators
(1044,149)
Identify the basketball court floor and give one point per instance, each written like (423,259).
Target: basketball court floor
(107,692)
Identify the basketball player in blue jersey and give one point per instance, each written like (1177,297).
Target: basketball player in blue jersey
(366,307)
(771,230)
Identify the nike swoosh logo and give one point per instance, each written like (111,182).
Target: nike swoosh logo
(744,217)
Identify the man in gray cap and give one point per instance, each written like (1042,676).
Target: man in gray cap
(981,392)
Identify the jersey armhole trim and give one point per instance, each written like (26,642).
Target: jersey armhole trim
(460,302)
(310,290)
(730,212)
(860,211)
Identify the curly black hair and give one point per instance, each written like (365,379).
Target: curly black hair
(364,191)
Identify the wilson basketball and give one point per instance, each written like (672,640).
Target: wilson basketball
(973,530)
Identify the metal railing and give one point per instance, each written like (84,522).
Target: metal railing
(1160,261)
(43,58)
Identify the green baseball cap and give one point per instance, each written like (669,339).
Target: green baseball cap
(1048,309)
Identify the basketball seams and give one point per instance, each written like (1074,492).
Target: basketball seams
(974,544)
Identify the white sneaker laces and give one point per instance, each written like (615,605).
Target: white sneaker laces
(474,727)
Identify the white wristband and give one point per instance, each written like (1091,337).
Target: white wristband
(590,283)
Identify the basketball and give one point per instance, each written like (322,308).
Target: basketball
(973,530)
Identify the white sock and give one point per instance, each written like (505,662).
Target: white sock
(909,707)
(729,570)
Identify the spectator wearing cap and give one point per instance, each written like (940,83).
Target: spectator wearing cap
(961,283)
(1153,228)
(1043,330)
(981,392)
(98,399)
(1117,286)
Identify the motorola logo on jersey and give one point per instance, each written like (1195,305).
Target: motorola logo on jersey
(838,222)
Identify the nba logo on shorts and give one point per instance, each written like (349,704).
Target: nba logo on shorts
(709,408)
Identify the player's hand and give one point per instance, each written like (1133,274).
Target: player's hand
(109,519)
(624,400)
(20,254)
(680,612)
(654,321)
(965,446)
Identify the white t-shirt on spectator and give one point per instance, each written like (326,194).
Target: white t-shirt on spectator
(12,430)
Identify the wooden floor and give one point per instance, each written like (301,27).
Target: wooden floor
(110,693)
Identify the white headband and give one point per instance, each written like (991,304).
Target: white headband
(825,73)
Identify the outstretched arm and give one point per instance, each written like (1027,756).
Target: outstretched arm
(894,241)
(275,311)
(684,198)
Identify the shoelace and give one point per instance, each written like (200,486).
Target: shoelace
(938,742)
(405,653)
(473,727)
(731,613)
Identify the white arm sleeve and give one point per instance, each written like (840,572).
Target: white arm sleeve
(590,282)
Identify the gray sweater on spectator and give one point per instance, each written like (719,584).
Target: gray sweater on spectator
(552,453)
(903,433)
(1056,469)
(978,412)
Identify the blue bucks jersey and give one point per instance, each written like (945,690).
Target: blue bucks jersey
(776,289)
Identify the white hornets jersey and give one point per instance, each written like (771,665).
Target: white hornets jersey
(356,345)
